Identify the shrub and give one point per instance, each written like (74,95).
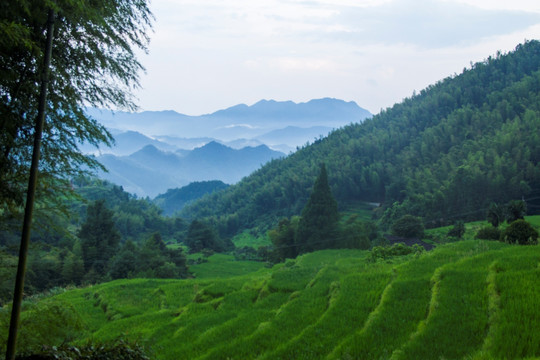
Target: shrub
(488,233)
(520,232)
(408,226)
(515,210)
(398,249)
(458,230)
(117,350)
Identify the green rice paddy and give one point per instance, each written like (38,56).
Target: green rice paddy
(470,299)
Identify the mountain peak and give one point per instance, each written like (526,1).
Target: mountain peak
(316,109)
(239,121)
(148,149)
(214,145)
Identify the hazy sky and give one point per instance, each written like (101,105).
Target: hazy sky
(207,55)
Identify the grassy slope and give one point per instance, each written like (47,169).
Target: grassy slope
(225,266)
(474,299)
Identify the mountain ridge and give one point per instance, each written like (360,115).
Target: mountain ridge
(151,171)
(272,108)
(257,119)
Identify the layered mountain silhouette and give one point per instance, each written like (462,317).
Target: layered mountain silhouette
(301,122)
(151,171)
(159,150)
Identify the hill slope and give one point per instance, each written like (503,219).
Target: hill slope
(175,199)
(472,299)
(443,154)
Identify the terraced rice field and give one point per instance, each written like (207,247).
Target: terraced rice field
(469,299)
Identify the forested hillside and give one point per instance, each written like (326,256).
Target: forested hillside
(444,154)
(175,199)
(109,234)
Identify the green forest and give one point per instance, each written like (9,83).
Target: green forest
(109,234)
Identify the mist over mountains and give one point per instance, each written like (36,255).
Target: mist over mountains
(150,171)
(159,150)
(254,125)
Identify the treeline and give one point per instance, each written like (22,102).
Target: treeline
(108,234)
(444,154)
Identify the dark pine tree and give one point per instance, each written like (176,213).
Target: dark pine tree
(99,237)
(318,225)
(202,236)
(282,238)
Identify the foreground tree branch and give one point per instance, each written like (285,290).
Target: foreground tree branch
(45,88)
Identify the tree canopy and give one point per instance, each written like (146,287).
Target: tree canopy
(93,63)
(202,236)
(99,237)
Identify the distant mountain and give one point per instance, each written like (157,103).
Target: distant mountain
(242,143)
(150,171)
(237,122)
(175,199)
(217,161)
(185,143)
(158,150)
(142,179)
(128,142)
(147,122)
(312,112)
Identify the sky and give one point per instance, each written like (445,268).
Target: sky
(207,55)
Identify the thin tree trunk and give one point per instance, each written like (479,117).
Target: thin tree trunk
(27,223)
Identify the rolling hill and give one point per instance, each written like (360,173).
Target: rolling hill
(174,200)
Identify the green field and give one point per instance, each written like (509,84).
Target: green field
(224,266)
(246,239)
(469,299)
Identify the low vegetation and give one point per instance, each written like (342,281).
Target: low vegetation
(470,298)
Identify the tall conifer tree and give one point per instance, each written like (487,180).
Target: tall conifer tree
(318,224)
(99,237)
